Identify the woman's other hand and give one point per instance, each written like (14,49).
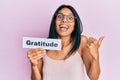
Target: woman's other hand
(93,46)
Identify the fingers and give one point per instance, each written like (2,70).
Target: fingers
(35,54)
(101,39)
(35,59)
(92,41)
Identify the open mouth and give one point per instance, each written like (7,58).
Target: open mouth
(63,27)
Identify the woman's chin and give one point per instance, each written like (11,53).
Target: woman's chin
(64,35)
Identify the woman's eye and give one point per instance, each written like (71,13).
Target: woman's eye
(70,18)
(59,17)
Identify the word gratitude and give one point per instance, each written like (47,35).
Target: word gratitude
(48,44)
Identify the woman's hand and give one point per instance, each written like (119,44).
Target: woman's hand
(35,55)
(93,46)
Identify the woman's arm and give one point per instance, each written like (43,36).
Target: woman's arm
(36,73)
(90,55)
(35,57)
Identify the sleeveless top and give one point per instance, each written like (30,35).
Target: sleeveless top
(71,68)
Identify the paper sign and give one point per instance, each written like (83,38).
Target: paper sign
(48,44)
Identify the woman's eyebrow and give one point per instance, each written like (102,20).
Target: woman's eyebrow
(65,14)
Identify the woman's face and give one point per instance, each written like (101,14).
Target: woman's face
(65,22)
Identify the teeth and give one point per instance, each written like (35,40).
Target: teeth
(63,26)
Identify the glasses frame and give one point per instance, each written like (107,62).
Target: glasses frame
(67,17)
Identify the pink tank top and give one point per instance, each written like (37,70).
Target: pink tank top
(70,69)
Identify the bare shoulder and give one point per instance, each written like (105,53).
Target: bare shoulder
(84,39)
(83,44)
(84,49)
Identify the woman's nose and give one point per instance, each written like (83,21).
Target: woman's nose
(64,19)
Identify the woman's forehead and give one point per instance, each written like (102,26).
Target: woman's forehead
(65,11)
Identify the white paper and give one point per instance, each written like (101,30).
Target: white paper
(48,44)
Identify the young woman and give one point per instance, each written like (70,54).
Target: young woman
(77,50)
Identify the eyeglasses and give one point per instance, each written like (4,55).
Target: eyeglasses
(61,16)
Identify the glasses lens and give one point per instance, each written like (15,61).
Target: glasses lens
(70,18)
(60,17)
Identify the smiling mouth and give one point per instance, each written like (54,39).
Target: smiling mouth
(64,27)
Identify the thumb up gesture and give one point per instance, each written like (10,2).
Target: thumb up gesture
(93,46)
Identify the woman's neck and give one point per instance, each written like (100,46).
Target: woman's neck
(65,41)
